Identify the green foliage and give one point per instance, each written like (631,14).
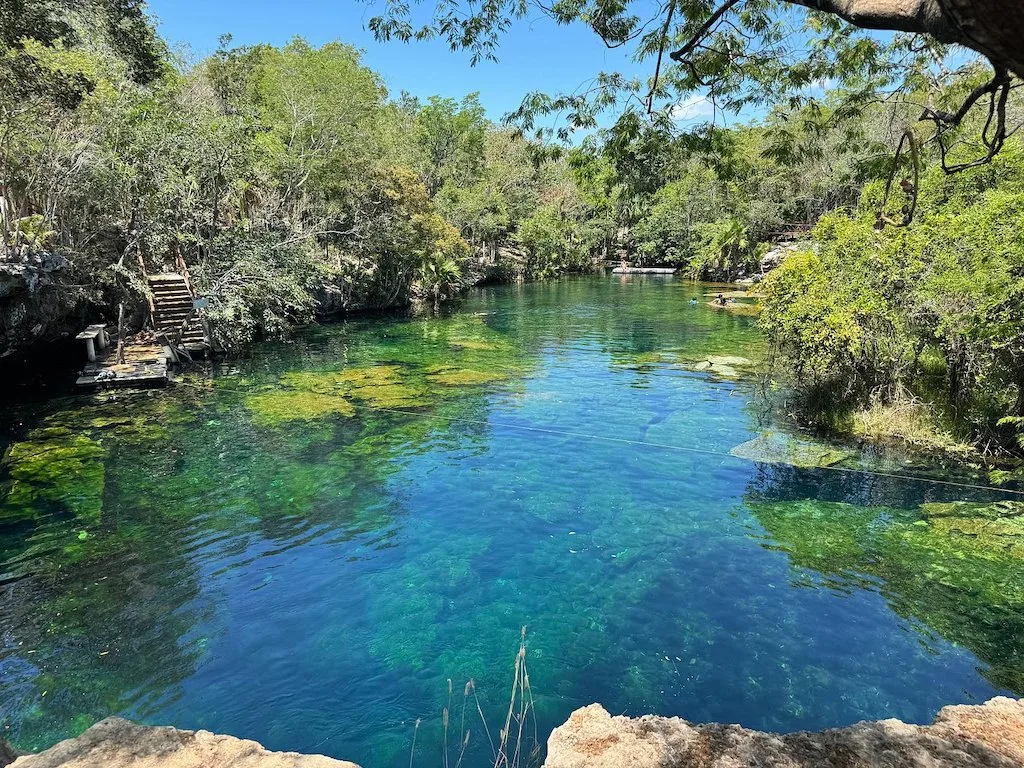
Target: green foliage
(554,243)
(735,55)
(451,139)
(258,286)
(29,231)
(724,250)
(284,178)
(931,309)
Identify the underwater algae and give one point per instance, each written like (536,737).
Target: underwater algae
(460,377)
(956,567)
(53,466)
(273,408)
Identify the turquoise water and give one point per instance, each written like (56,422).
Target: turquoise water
(305,549)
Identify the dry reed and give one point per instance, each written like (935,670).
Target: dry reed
(518,746)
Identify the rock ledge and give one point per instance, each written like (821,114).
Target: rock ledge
(117,743)
(986,736)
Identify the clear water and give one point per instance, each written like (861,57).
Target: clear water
(304,550)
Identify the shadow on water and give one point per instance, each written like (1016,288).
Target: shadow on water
(306,547)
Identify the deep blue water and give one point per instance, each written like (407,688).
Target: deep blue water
(305,556)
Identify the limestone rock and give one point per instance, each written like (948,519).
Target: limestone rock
(117,743)
(780,448)
(987,736)
(733,361)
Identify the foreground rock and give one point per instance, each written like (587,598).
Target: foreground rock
(117,743)
(987,736)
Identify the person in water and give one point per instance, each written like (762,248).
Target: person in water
(693,302)
(720,300)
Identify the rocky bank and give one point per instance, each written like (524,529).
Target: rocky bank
(117,743)
(986,736)
(990,735)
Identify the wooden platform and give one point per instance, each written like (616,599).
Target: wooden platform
(145,365)
(644,271)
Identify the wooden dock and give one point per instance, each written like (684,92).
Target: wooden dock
(644,271)
(145,365)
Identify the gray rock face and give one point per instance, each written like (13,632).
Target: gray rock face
(117,743)
(7,754)
(987,736)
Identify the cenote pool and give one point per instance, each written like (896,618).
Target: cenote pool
(304,549)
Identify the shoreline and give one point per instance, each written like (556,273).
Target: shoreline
(989,735)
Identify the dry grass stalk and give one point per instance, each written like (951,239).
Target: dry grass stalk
(518,746)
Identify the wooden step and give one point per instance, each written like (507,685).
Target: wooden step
(184,300)
(175,326)
(176,311)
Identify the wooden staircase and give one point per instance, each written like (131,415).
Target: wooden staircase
(174,313)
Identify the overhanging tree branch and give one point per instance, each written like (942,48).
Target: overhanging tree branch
(705,29)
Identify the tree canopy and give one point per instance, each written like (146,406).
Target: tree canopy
(743,53)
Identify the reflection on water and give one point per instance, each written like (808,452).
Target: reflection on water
(305,549)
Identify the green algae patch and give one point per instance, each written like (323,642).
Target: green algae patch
(953,567)
(312,381)
(54,466)
(779,448)
(385,386)
(375,386)
(998,526)
(391,396)
(272,409)
(461,377)
(457,344)
(371,376)
(829,537)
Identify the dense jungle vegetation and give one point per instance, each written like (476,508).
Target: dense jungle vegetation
(293,185)
(287,179)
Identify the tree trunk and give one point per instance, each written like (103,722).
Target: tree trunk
(994,28)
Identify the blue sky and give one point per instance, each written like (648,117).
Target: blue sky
(535,55)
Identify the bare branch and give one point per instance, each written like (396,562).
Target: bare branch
(661,51)
(702,33)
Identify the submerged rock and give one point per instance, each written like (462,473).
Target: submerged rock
(117,743)
(723,366)
(779,448)
(987,736)
(732,361)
